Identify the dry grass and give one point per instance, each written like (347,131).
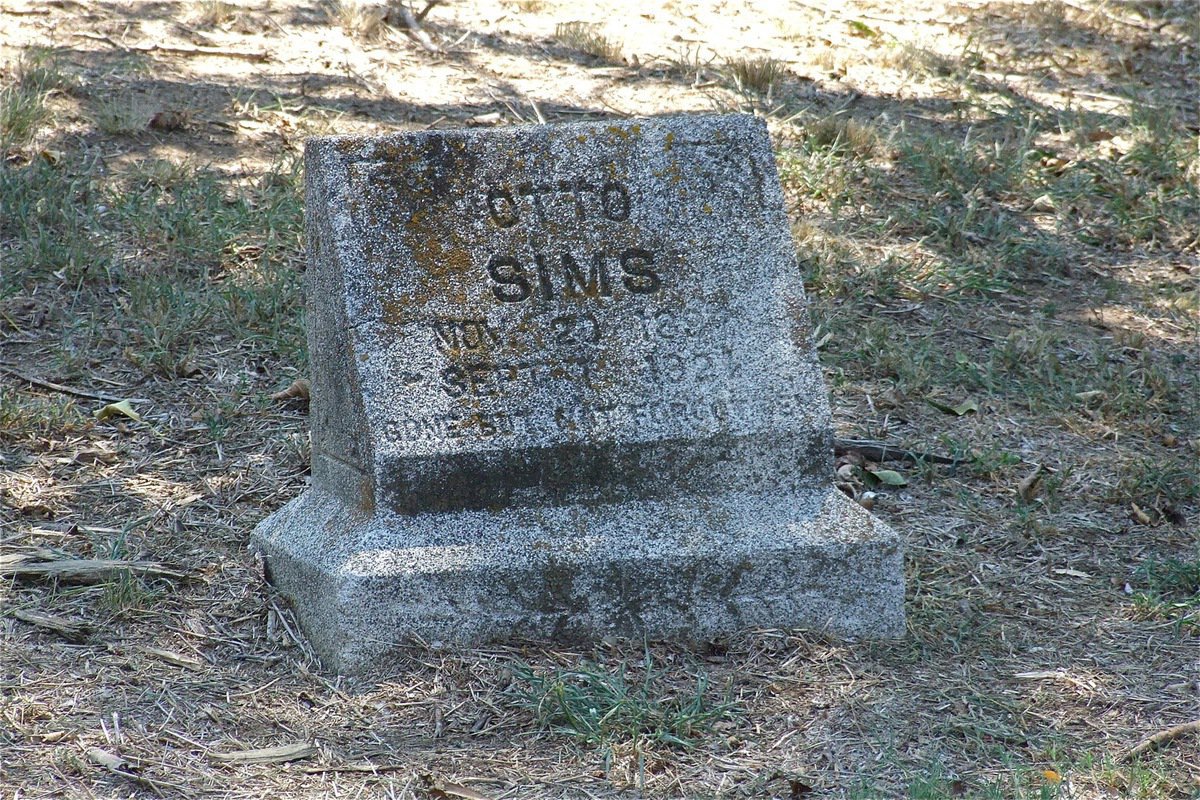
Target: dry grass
(214,12)
(1017,229)
(122,114)
(755,75)
(366,20)
(587,39)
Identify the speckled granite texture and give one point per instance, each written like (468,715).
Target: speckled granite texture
(564,386)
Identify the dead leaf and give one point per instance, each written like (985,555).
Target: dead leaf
(1039,675)
(798,788)
(888,477)
(122,408)
(442,789)
(1030,485)
(1051,776)
(95,456)
(300,389)
(1055,164)
(1044,203)
(186,367)
(890,398)
(268,755)
(484,120)
(859,28)
(851,458)
(110,761)
(967,406)
(458,790)
(1174,515)
(169,121)
(178,659)
(68,629)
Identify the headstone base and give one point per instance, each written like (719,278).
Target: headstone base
(365,583)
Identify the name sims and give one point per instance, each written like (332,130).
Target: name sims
(514,282)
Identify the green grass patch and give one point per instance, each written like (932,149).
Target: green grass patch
(990,207)
(23,414)
(1146,778)
(1156,483)
(1055,374)
(935,783)
(177,212)
(23,109)
(121,114)
(177,256)
(599,706)
(972,194)
(1136,186)
(830,166)
(53,227)
(964,200)
(1044,371)
(1169,589)
(125,590)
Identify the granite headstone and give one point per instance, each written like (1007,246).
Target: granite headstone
(564,387)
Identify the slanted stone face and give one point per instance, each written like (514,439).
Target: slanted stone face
(573,314)
(564,387)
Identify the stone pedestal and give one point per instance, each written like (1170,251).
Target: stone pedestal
(564,387)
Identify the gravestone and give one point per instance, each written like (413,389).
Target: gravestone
(564,387)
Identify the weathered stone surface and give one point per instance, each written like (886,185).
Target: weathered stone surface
(563,385)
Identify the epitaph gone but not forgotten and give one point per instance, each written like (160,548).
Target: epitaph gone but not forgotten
(564,386)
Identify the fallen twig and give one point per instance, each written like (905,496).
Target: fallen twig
(178,659)
(1162,737)
(181,50)
(881,451)
(71,390)
(358,768)
(83,570)
(268,755)
(412,26)
(71,631)
(424,12)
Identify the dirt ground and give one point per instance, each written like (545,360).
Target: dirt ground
(995,206)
